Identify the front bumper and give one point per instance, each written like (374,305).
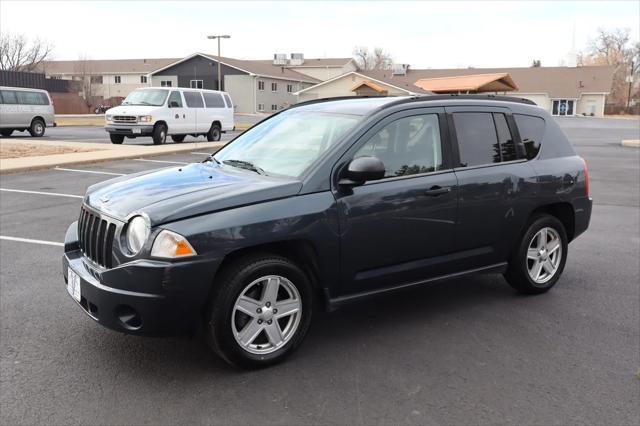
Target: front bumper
(145,297)
(131,130)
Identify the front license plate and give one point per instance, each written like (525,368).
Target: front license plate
(136,130)
(73,285)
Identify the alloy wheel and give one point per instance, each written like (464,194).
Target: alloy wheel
(544,255)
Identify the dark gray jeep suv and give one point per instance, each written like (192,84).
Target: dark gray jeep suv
(329,201)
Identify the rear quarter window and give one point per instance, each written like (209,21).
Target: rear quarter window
(213,100)
(227,99)
(193,99)
(32,98)
(531,131)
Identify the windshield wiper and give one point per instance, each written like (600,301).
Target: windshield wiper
(241,164)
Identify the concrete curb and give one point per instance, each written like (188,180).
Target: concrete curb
(631,143)
(106,153)
(98,121)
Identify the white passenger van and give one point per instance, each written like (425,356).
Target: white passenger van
(25,109)
(161,112)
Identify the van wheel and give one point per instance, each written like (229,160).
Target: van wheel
(260,311)
(37,128)
(215,133)
(116,139)
(6,133)
(159,134)
(178,138)
(539,260)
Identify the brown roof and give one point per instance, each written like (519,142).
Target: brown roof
(264,68)
(495,82)
(107,66)
(558,82)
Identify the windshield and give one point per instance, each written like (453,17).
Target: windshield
(288,143)
(153,97)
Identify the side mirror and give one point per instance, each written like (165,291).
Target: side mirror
(174,104)
(361,170)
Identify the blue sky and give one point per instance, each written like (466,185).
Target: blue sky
(423,34)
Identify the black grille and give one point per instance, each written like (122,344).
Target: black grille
(96,235)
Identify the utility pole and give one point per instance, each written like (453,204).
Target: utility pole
(212,37)
(630,78)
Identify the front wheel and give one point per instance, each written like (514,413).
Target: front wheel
(37,128)
(539,259)
(116,139)
(215,133)
(159,134)
(260,311)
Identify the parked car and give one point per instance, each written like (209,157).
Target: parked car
(329,201)
(160,112)
(25,109)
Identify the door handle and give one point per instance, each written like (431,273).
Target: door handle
(437,190)
(177,116)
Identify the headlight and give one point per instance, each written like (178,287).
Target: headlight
(109,117)
(171,245)
(145,118)
(137,234)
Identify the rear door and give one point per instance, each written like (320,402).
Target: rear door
(495,183)
(229,122)
(214,108)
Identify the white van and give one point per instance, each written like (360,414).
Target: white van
(25,109)
(160,112)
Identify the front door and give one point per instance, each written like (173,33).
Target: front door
(400,229)
(177,117)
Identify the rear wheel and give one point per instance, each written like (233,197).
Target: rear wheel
(178,138)
(539,260)
(215,133)
(6,132)
(159,134)
(116,139)
(260,311)
(37,128)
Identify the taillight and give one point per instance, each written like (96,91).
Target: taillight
(586,176)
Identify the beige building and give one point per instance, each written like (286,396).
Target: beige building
(559,90)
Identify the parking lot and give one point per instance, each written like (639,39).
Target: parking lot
(467,351)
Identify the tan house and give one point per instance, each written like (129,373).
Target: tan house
(559,90)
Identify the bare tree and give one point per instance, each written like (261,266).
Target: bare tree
(381,59)
(378,59)
(17,53)
(83,71)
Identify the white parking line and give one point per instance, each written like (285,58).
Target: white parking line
(160,161)
(27,240)
(57,194)
(89,171)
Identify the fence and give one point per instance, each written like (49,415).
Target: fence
(32,81)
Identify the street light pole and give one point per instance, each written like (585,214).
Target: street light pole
(211,37)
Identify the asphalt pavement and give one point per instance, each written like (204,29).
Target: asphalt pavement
(468,351)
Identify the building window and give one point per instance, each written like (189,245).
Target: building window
(260,85)
(196,84)
(274,107)
(260,107)
(96,79)
(165,83)
(143,79)
(562,107)
(289,88)
(274,87)
(117,79)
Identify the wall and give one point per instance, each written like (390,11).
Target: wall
(342,87)
(541,99)
(281,97)
(156,79)
(583,104)
(198,68)
(109,88)
(324,73)
(240,88)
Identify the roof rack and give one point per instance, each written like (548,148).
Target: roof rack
(336,98)
(473,96)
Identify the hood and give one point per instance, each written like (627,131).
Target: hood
(132,110)
(174,193)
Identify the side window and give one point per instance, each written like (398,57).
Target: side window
(213,100)
(274,87)
(507,144)
(175,98)
(30,98)
(407,146)
(9,97)
(196,84)
(531,132)
(117,79)
(228,101)
(193,99)
(260,85)
(477,138)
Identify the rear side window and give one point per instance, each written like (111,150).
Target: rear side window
(227,99)
(507,144)
(531,132)
(213,100)
(32,98)
(477,138)
(193,99)
(9,97)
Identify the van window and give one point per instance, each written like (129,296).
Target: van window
(193,99)
(477,138)
(32,98)
(228,101)
(507,145)
(175,97)
(9,97)
(213,100)
(531,132)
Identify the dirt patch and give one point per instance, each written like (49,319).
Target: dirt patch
(20,149)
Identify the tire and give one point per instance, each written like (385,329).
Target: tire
(178,138)
(214,133)
(116,139)
(549,256)
(37,128)
(159,134)
(251,277)
(6,132)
